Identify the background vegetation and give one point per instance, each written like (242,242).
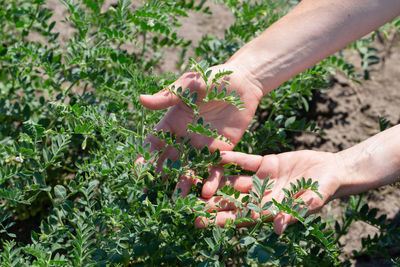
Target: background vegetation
(71,127)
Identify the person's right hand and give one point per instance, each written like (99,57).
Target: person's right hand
(326,168)
(224,117)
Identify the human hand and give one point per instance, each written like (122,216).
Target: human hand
(224,117)
(325,168)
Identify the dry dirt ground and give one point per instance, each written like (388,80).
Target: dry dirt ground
(347,113)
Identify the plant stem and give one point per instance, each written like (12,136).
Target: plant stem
(32,21)
(276,104)
(143,46)
(255,228)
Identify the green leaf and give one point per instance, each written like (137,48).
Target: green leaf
(265,186)
(60,191)
(217,233)
(267,205)
(20,24)
(286,192)
(247,240)
(258,252)
(257,185)
(200,121)
(253,207)
(290,121)
(186,93)
(255,196)
(208,74)
(245,199)
(309,219)
(84,143)
(303,212)
(176,164)
(279,250)
(193,98)
(209,242)
(383,123)
(293,86)
(222,93)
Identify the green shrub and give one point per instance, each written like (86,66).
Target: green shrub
(71,127)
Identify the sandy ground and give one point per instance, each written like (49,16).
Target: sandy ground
(347,113)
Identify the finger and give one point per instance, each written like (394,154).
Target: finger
(246,161)
(218,203)
(282,221)
(199,141)
(201,222)
(185,184)
(221,219)
(242,183)
(155,142)
(210,185)
(269,166)
(313,201)
(140,160)
(161,100)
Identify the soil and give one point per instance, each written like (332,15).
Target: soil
(347,112)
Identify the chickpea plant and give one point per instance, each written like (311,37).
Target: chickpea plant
(71,127)
(190,158)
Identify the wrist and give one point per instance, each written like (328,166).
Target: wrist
(350,169)
(372,163)
(243,78)
(242,62)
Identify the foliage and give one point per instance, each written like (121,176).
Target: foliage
(366,48)
(280,112)
(71,127)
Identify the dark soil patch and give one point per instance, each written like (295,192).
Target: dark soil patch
(23,229)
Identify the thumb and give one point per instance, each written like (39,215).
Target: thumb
(161,100)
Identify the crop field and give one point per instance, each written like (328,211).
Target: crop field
(81,186)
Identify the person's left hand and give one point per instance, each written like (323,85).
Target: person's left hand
(223,117)
(326,168)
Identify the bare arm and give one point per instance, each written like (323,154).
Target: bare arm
(372,163)
(310,32)
(313,30)
(369,164)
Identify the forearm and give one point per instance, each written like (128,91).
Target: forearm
(372,163)
(312,31)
